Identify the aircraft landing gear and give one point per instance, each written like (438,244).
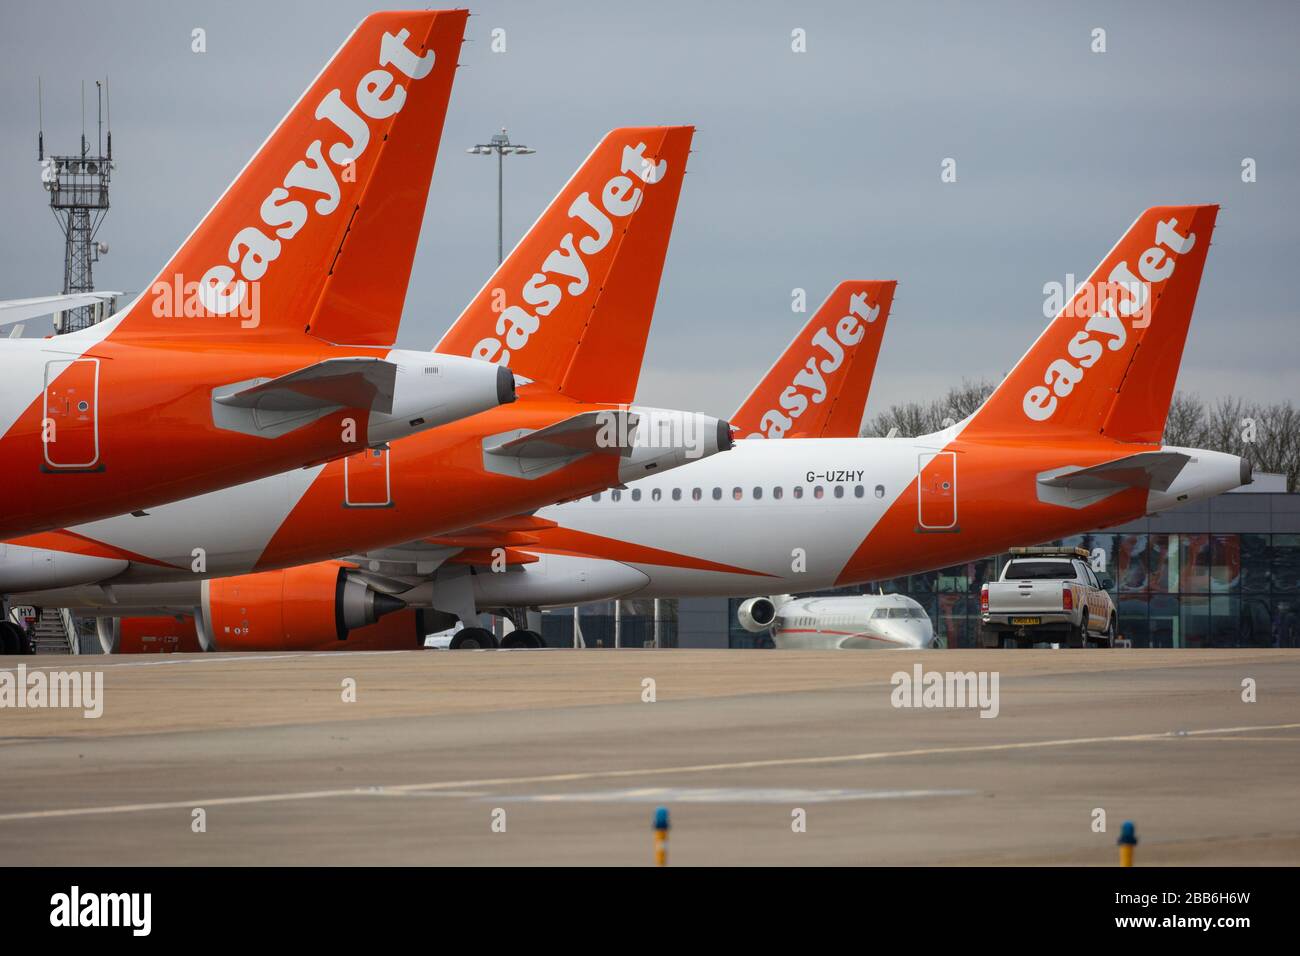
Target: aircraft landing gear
(474,639)
(527,628)
(517,639)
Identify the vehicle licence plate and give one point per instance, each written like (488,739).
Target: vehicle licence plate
(1026,620)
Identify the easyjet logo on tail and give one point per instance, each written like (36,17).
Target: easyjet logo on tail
(1126,294)
(285,209)
(809,383)
(564,270)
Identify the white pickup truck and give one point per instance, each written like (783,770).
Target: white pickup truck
(1047,594)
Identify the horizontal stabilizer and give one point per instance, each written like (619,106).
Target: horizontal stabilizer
(1149,469)
(590,433)
(334,383)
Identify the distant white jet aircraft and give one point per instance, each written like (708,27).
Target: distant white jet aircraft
(855,622)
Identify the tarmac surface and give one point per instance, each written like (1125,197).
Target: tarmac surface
(558,757)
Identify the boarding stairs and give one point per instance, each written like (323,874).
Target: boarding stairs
(55,632)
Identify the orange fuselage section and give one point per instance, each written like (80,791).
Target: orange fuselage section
(437,483)
(140,431)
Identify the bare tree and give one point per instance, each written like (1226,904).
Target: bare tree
(922,418)
(1223,425)
(1185,425)
(1269,435)
(909,420)
(966,398)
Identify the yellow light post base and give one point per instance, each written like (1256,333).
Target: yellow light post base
(661,836)
(1127,841)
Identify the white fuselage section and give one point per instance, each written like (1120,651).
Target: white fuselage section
(772,515)
(24,362)
(766,517)
(785,516)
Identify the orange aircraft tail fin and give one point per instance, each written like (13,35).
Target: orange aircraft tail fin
(571,305)
(1106,364)
(318,232)
(818,387)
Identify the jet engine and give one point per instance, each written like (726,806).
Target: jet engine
(309,607)
(756,615)
(152,634)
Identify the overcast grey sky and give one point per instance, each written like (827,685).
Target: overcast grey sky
(808,167)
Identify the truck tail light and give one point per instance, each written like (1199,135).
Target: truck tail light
(984,598)
(1067,598)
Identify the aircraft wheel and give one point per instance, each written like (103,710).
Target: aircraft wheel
(529,639)
(473,639)
(11,638)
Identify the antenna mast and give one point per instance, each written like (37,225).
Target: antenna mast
(78,188)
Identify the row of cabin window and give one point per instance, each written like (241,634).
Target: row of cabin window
(879,614)
(738,493)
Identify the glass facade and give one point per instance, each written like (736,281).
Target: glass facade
(1171,590)
(596,621)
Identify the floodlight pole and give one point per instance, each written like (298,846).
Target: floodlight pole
(501,163)
(501,146)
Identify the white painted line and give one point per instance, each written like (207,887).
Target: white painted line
(389,792)
(1260,739)
(616,774)
(64,663)
(792,796)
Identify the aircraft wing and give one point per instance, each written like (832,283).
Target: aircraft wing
(404,565)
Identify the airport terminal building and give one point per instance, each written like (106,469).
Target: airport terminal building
(1224,572)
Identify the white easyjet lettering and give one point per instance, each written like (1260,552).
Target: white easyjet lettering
(223,288)
(1126,295)
(849,331)
(619,197)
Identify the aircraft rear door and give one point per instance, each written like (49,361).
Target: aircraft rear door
(70,425)
(936,491)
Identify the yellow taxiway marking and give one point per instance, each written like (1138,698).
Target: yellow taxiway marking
(637,772)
